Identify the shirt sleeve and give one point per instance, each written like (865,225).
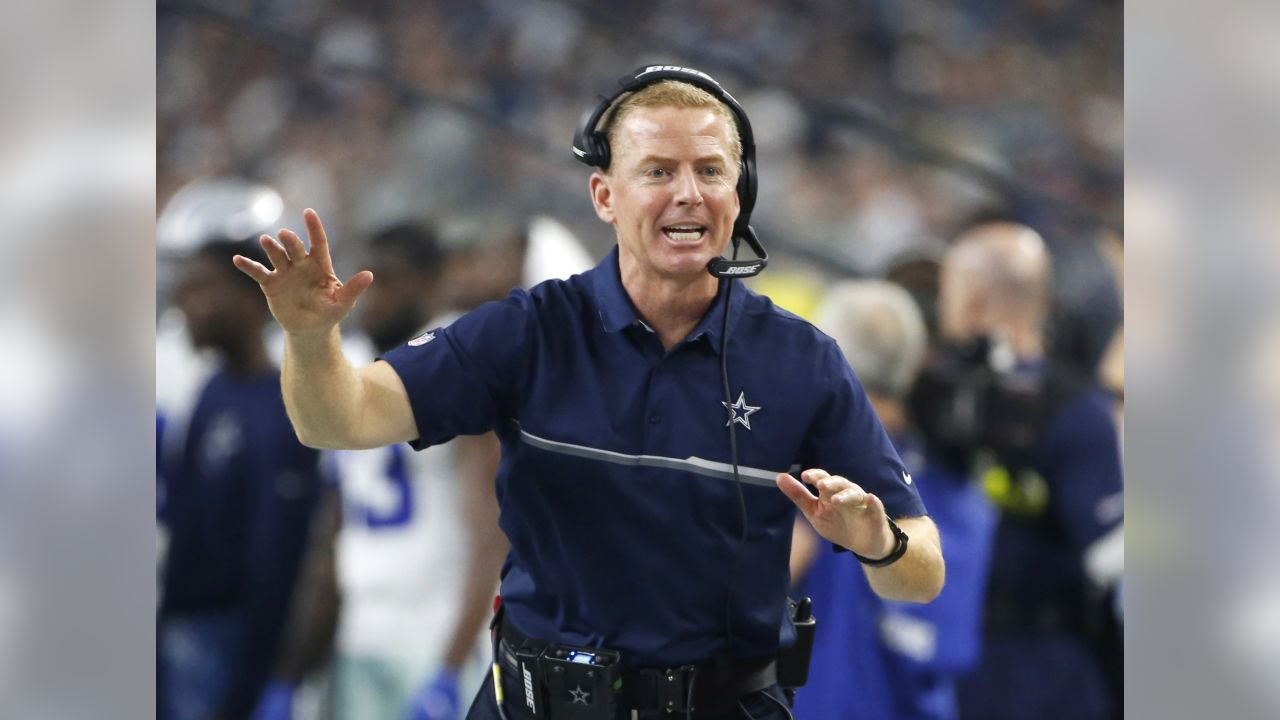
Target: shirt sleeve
(847,439)
(464,379)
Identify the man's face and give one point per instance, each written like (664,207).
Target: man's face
(956,305)
(216,305)
(670,191)
(394,308)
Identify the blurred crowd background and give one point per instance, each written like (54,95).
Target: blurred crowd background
(881,125)
(884,129)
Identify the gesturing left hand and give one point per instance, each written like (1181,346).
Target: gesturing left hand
(843,513)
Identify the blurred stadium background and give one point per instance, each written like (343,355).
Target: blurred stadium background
(882,127)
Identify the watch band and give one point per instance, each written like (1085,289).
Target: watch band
(899,549)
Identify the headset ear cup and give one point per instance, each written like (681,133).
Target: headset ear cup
(746,198)
(747,186)
(600,149)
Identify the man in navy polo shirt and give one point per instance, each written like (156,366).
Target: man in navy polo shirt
(616,485)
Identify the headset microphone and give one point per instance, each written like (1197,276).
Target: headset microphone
(724,268)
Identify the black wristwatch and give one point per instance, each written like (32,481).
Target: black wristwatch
(898,551)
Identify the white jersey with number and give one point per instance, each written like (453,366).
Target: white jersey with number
(402,549)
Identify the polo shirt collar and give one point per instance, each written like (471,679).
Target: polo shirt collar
(713,322)
(617,311)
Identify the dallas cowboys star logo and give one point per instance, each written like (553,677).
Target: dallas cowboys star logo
(739,412)
(580,695)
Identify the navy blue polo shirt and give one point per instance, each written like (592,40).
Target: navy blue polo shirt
(616,487)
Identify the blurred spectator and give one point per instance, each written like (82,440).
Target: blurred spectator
(236,499)
(1043,441)
(875,658)
(1087,306)
(1111,364)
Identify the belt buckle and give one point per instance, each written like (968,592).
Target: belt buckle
(673,688)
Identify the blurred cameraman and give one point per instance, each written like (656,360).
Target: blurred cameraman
(1043,441)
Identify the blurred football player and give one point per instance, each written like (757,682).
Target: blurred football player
(401,575)
(237,491)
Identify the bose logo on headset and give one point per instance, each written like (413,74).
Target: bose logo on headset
(677,68)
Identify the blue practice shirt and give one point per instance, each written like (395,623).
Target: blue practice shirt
(616,487)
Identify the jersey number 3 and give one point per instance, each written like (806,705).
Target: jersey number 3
(396,473)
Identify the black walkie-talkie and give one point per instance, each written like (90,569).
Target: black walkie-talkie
(793,662)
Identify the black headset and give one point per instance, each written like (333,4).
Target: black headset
(591,147)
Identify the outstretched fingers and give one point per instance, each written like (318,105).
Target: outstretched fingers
(319,240)
(275,252)
(796,492)
(826,483)
(354,288)
(252,268)
(293,244)
(856,497)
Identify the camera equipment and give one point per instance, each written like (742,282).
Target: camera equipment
(970,399)
(983,417)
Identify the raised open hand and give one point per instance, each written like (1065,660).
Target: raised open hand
(304,294)
(842,512)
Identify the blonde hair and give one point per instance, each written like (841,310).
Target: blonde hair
(672,93)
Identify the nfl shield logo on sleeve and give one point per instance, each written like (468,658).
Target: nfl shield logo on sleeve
(422,339)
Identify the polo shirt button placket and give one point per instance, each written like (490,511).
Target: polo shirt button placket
(656,392)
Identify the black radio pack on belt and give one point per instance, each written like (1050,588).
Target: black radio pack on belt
(561,681)
(549,681)
(557,682)
(581,683)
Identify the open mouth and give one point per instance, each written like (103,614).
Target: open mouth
(684,233)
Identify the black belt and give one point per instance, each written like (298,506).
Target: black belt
(715,684)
